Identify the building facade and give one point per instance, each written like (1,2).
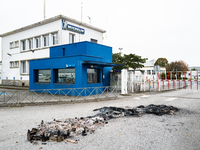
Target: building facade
(149,70)
(33,42)
(77,65)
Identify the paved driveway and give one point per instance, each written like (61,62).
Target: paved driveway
(180,131)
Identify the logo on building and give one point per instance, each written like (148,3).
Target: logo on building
(66,26)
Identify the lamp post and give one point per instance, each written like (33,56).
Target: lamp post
(120,51)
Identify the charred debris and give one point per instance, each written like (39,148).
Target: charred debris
(63,130)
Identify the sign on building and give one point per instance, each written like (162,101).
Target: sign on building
(66,26)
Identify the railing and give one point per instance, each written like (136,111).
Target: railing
(169,81)
(8,97)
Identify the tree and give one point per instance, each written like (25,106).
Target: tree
(193,69)
(177,65)
(162,62)
(131,60)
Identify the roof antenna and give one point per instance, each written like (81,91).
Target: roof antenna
(44,9)
(81,12)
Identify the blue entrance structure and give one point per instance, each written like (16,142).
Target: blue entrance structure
(76,65)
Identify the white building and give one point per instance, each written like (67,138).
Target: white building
(149,69)
(33,42)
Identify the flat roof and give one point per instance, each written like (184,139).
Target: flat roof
(46,21)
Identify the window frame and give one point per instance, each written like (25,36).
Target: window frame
(23,45)
(26,71)
(71,40)
(56,76)
(148,72)
(54,38)
(45,40)
(98,76)
(38,42)
(37,74)
(16,44)
(30,46)
(93,40)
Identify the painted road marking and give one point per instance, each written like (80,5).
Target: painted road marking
(170,99)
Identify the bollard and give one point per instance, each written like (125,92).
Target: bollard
(149,85)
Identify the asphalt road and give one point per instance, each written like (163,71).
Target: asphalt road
(167,132)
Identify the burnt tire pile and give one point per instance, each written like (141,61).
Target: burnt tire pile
(65,129)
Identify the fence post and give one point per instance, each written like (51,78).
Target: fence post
(158,82)
(18,94)
(4,93)
(153,81)
(132,83)
(197,80)
(124,81)
(191,80)
(163,81)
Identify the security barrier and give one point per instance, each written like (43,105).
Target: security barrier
(161,81)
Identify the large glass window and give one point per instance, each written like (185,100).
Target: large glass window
(55,38)
(46,40)
(93,75)
(71,38)
(65,76)
(44,75)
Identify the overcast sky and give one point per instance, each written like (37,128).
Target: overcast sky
(149,28)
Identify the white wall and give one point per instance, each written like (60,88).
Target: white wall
(18,55)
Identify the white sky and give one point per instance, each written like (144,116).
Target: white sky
(149,28)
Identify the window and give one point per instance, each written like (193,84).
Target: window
(11,44)
(148,72)
(16,64)
(142,71)
(153,72)
(71,38)
(93,40)
(43,75)
(23,43)
(46,40)
(65,76)
(24,67)
(93,75)
(11,64)
(16,43)
(38,42)
(30,44)
(55,38)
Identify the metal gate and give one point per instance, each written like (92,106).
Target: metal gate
(115,79)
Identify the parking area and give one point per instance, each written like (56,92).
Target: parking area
(180,131)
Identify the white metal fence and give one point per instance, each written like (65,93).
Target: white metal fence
(159,81)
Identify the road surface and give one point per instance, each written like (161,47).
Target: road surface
(180,131)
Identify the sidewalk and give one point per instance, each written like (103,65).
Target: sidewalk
(14,87)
